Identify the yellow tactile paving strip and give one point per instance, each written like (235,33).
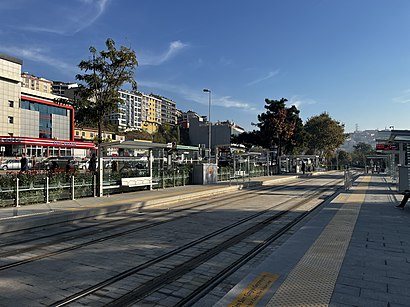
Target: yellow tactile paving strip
(313,279)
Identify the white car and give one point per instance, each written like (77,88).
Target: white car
(12,164)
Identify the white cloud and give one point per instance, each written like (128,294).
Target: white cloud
(298,101)
(228,102)
(71,18)
(39,55)
(403,98)
(198,96)
(174,48)
(268,76)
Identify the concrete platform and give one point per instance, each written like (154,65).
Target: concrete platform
(355,251)
(36,215)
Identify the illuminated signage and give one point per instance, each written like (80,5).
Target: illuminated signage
(387,147)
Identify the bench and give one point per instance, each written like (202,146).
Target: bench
(137,182)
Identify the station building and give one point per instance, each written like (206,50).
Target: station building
(35,122)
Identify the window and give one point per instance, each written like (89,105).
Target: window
(82,133)
(11,103)
(77,133)
(91,134)
(11,119)
(10,134)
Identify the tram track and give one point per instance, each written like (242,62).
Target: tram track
(232,198)
(197,260)
(123,221)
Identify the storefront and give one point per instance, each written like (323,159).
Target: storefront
(37,147)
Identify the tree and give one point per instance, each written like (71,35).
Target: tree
(342,158)
(278,125)
(324,135)
(361,150)
(138,135)
(248,139)
(167,134)
(105,73)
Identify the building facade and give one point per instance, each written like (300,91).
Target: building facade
(168,110)
(10,89)
(128,115)
(32,121)
(91,134)
(150,113)
(34,83)
(221,132)
(64,89)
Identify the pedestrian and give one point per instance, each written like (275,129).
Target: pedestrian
(68,167)
(53,166)
(404,200)
(93,164)
(303,167)
(23,163)
(114,166)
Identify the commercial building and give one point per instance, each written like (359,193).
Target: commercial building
(198,126)
(31,120)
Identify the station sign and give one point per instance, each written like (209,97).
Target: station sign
(387,147)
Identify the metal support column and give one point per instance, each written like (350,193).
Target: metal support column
(150,158)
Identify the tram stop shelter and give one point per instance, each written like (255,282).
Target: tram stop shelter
(397,144)
(293,163)
(141,163)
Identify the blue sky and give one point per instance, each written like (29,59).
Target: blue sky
(349,58)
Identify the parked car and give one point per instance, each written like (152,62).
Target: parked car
(54,163)
(12,164)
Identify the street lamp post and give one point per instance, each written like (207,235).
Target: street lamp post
(209,124)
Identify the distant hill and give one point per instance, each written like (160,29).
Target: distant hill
(366,136)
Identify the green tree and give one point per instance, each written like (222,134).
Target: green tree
(167,134)
(278,125)
(104,74)
(248,139)
(138,135)
(342,158)
(360,151)
(323,135)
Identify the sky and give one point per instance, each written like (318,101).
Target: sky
(349,58)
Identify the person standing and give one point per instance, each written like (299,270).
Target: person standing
(303,167)
(404,200)
(23,163)
(93,164)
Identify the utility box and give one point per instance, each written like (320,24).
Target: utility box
(205,173)
(404,174)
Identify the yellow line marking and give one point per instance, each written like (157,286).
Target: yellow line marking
(312,280)
(255,290)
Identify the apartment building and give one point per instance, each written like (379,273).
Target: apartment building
(150,113)
(64,89)
(36,84)
(168,110)
(31,120)
(128,116)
